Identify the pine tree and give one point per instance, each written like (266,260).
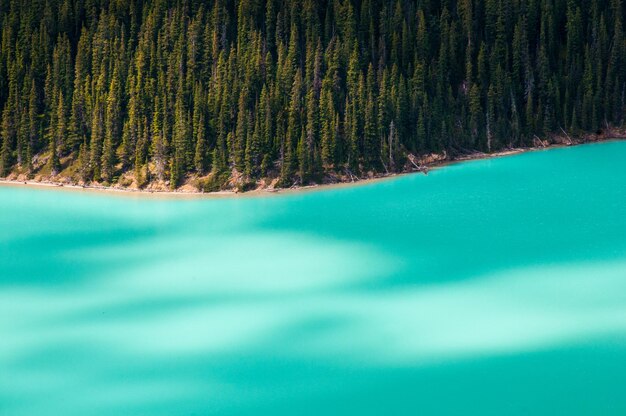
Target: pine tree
(159,144)
(370,128)
(57,136)
(392,147)
(294,128)
(181,143)
(112,128)
(329,127)
(33,123)
(476,116)
(141,154)
(200,159)
(253,151)
(6,157)
(238,148)
(311,132)
(352,121)
(83,158)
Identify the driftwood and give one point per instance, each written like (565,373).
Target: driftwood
(537,139)
(353,178)
(419,167)
(569,139)
(384,165)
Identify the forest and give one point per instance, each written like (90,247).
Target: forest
(230,92)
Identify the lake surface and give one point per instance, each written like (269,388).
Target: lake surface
(492,287)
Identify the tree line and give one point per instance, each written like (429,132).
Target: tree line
(170,89)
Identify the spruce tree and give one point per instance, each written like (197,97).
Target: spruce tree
(6,156)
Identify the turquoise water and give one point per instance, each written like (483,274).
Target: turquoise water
(493,287)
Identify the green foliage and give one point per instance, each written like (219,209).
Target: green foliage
(215,182)
(297,89)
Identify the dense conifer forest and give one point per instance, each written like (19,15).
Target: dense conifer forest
(163,91)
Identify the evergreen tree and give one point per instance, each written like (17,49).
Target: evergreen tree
(112,128)
(57,136)
(6,157)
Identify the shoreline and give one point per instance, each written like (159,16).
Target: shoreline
(263,192)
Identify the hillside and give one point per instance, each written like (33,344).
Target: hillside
(240,94)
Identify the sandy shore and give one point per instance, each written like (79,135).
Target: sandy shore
(283,191)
